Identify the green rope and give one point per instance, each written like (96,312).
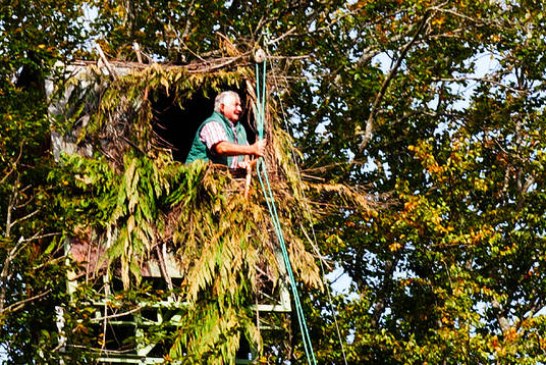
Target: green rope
(270,200)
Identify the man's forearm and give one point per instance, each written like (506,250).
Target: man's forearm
(225,148)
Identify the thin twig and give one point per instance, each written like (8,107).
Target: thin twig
(107,317)
(20,304)
(14,164)
(282,36)
(24,217)
(482,79)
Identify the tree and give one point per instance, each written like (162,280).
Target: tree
(30,236)
(445,248)
(452,151)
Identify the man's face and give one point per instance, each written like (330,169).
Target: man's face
(231,108)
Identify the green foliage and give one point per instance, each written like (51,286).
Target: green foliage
(448,270)
(141,198)
(394,98)
(30,241)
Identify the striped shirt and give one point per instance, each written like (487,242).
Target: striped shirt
(213,133)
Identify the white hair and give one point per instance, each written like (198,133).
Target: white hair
(220,98)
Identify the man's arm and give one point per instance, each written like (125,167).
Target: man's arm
(225,148)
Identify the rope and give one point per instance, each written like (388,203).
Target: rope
(313,240)
(270,200)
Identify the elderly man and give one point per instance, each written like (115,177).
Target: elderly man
(221,139)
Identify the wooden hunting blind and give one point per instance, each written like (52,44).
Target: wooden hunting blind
(168,260)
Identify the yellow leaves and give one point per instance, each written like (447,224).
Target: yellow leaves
(228,46)
(167,358)
(423,152)
(80,328)
(490,293)
(131,223)
(436,169)
(420,214)
(411,205)
(165,83)
(473,237)
(446,320)
(393,247)
(438,21)
(511,334)
(542,342)
(481,235)
(100,339)
(458,290)
(480,184)
(508,250)
(508,343)
(495,343)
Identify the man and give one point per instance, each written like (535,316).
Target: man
(221,139)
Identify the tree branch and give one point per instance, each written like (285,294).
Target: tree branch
(369,123)
(4,275)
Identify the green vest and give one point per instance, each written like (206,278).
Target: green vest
(199,150)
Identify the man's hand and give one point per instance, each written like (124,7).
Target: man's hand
(259,148)
(247,163)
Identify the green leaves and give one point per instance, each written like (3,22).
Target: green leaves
(452,254)
(439,221)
